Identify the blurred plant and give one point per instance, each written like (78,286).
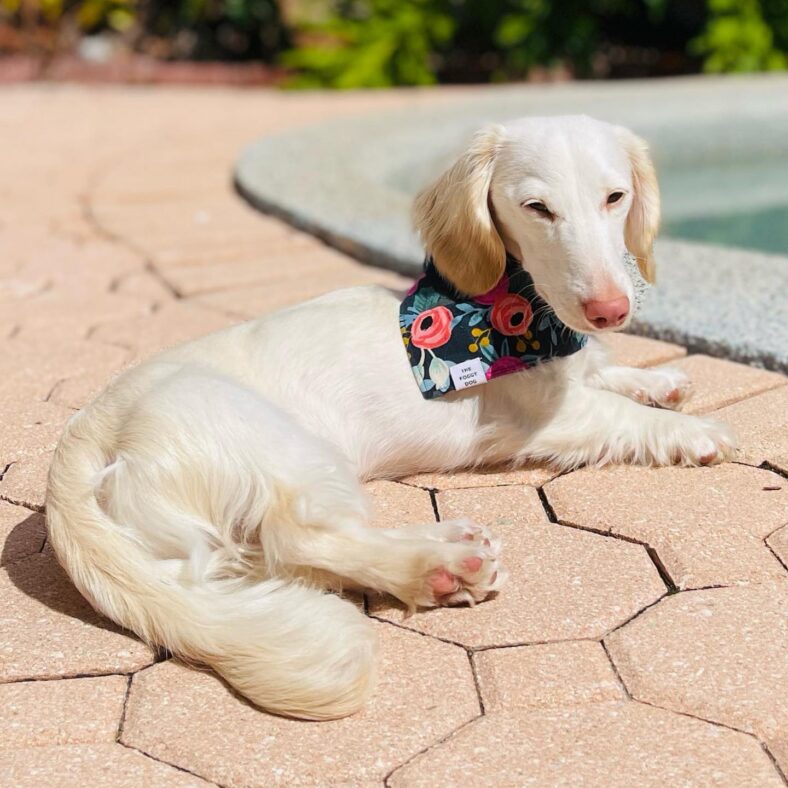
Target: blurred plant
(378,43)
(194,29)
(744,35)
(371,43)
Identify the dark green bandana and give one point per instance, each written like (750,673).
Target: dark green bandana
(455,341)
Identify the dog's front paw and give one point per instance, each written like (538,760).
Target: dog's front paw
(702,441)
(667,387)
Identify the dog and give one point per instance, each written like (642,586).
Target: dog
(209,499)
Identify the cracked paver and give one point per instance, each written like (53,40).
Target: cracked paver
(117,242)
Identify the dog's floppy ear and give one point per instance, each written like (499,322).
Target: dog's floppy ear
(454,218)
(644,213)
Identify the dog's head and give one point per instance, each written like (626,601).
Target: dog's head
(567,196)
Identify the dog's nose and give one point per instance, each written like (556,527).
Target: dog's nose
(607,314)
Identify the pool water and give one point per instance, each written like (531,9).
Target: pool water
(765,230)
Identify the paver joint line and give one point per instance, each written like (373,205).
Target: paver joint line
(670,584)
(636,615)
(166,763)
(432,746)
(772,551)
(24,504)
(476,684)
(715,723)
(634,699)
(122,719)
(615,669)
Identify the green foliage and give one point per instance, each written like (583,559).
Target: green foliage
(370,43)
(193,29)
(375,44)
(380,43)
(744,35)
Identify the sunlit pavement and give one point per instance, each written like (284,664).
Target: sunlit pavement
(641,639)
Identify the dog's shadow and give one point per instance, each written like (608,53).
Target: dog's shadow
(38,575)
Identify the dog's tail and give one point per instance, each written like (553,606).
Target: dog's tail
(291,649)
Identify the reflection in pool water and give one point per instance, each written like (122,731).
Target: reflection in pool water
(765,229)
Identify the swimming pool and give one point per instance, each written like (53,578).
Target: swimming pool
(743,205)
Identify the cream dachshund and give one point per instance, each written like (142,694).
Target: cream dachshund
(209,499)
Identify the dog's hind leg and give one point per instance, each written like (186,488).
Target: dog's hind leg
(457,563)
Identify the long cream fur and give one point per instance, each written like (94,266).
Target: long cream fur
(210,498)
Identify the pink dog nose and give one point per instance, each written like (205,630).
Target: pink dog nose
(607,314)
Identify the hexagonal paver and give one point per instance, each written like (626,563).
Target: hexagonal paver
(628,350)
(175,322)
(22,532)
(81,384)
(28,435)
(425,690)
(75,267)
(50,631)
(145,285)
(552,674)
(533,475)
(394,505)
(563,583)
(706,524)
(302,257)
(778,541)
(43,362)
(71,711)
(251,302)
(96,765)
(717,382)
(72,315)
(599,744)
(761,424)
(718,654)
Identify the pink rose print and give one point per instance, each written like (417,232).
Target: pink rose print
(431,328)
(511,315)
(491,296)
(504,366)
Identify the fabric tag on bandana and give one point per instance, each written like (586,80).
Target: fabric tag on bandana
(469,373)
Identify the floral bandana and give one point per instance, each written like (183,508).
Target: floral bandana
(454,342)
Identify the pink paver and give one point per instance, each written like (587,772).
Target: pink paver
(116,242)
(706,525)
(562,584)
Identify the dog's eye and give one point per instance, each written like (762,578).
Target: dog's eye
(539,207)
(614,197)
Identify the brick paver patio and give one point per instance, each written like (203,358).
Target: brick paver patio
(642,637)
